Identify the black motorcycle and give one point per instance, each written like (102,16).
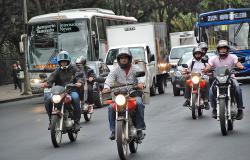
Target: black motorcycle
(226,108)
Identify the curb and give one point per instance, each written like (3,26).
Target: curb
(20,98)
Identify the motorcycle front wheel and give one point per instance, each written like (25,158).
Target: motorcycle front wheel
(87,116)
(193,107)
(122,145)
(133,146)
(56,133)
(72,136)
(223,117)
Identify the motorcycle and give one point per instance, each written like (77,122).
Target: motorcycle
(124,104)
(225,99)
(62,115)
(196,83)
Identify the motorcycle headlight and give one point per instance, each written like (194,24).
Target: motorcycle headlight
(222,79)
(120,100)
(195,79)
(56,98)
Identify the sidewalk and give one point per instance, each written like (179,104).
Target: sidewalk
(8,94)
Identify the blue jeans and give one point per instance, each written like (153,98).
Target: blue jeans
(75,104)
(139,115)
(238,94)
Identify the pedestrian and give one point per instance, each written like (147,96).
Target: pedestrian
(18,65)
(15,75)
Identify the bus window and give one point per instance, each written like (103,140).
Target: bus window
(101,29)
(94,38)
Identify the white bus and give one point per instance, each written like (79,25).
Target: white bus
(78,31)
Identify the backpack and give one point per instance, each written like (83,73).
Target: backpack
(192,65)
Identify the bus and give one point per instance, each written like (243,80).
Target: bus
(230,24)
(78,31)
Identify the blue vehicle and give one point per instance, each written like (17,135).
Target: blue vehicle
(229,24)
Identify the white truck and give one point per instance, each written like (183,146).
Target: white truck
(181,42)
(147,42)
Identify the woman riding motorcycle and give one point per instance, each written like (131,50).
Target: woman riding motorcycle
(124,73)
(63,75)
(225,59)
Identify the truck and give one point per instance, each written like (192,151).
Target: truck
(181,42)
(147,43)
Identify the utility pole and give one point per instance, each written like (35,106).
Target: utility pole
(27,89)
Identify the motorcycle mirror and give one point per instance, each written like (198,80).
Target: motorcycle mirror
(184,65)
(43,76)
(140,74)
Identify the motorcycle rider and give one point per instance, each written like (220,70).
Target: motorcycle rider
(64,74)
(197,65)
(203,46)
(90,76)
(124,73)
(225,59)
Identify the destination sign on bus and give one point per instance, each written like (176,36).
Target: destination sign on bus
(225,16)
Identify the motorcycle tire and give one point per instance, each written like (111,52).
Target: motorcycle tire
(98,99)
(223,117)
(87,116)
(176,91)
(122,145)
(153,89)
(230,125)
(133,146)
(161,86)
(72,136)
(200,112)
(56,134)
(193,107)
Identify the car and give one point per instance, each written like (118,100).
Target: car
(177,79)
(101,70)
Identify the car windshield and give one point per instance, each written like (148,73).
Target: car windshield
(137,53)
(185,58)
(177,53)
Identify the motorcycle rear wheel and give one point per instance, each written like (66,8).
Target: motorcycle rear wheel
(230,125)
(87,116)
(193,107)
(122,145)
(56,134)
(223,117)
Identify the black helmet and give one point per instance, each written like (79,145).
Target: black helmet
(63,56)
(81,60)
(197,50)
(203,47)
(124,52)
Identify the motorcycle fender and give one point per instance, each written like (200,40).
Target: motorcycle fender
(120,119)
(222,96)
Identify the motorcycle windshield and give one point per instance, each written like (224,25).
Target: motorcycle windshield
(222,71)
(57,90)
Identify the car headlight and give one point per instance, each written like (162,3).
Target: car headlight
(120,100)
(56,98)
(195,79)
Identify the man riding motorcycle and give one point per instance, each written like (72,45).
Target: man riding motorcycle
(197,65)
(203,46)
(63,75)
(225,59)
(90,76)
(124,73)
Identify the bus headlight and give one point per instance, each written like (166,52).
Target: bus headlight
(120,100)
(195,79)
(56,98)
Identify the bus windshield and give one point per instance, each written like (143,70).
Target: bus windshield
(236,34)
(47,39)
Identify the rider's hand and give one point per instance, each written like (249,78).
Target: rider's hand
(44,85)
(91,79)
(241,67)
(78,84)
(105,90)
(141,85)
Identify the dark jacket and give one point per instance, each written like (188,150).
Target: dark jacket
(64,76)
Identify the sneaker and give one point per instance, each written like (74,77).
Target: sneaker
(140,134)
(77,126)
(206,104)
(239,115)
(214,113)
(112,136)
(186,103)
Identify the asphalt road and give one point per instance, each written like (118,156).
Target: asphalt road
(171,134)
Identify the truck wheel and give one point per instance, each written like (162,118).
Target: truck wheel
(176,90)
(153,89)
(161,86)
